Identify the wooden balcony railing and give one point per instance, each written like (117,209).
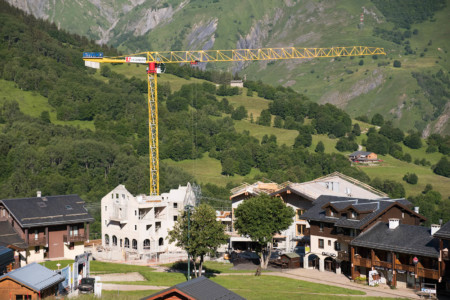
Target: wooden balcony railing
(362,262)
(74,238)
(42,241)
(407,268)
(428,273)
(383,264)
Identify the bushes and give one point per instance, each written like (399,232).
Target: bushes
(411,178)
(397,64)
(413,141)
(442,167)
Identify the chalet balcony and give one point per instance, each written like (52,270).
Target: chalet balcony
(406,268)
(428,273)
(42,241)
(362,262)
(383,264)
(344,239)
(74,238)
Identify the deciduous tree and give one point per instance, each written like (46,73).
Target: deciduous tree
(261,218)
(205,234)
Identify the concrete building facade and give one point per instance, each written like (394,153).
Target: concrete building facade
(138,226)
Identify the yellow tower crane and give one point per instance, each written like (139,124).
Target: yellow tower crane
(154,59)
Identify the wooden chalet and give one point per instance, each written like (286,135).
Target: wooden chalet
(443,234)
(31,282)
(336,221)
(404,255)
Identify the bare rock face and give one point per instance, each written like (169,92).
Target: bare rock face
(38,8)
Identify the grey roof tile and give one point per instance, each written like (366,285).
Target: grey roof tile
(35,277)
(50,210)
(444,232)
(409,239)
(8,236)
(202,288)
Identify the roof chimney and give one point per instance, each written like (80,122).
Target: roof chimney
(434,228)
(416,209)
(38,194)
(393,223)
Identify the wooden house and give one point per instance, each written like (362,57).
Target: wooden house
(290,260)
(31,282)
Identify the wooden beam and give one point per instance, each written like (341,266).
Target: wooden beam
(352,259)
(394,272)
(372,259)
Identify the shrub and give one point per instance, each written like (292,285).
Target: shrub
(411,178)
(397,64)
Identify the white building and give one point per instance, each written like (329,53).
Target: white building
(138,226)
(300,196)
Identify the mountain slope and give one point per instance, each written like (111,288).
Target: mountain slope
(374,86)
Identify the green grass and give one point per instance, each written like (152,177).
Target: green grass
(284,136)
(33,104)
(254,105)
(273,287)
(99,267)
(395,169)
(122,295)
(208,170)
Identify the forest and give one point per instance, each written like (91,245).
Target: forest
(196,120)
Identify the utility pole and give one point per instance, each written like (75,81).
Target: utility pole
(188,208)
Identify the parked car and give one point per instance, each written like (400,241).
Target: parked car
(87,285)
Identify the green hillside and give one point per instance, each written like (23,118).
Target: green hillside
(68,129)
(414,33)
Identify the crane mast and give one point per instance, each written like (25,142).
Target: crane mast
(155,58)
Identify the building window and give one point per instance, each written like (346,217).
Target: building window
(36,249)
(354,215)
(175,218)
(147,244)
(329,242)
(301,229)
(106,240)
(36,234)
(127,243)
(123,196)
(3,211)
(114,240)
(112,196)
(120,243)
(106,208)
(106,222)
(71,246)
(321,244)
(135,227)
(134,244)
(117,196)
(161,241)
(299,213)
(74,230)
(175,205)
(321,227)
(337,246)
(135,212)
(23,297)
(352,232)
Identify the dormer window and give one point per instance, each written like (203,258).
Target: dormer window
(353,214)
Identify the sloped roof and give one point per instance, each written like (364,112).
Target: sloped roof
(360,153)
(9,237)
(34,276)
(444,231)
(334,184)
(49,210)
(255,188)
(291,255)
(200,288)
(409,239)
(6,257)
(375,207)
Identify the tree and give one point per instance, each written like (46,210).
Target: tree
(265,118)
(410,178)
(239,113)
(378,119)
(45,116)
(397,64)
(356,129)
(205,235)
(261,218)
(443,167)
(413,141)
(320,148)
